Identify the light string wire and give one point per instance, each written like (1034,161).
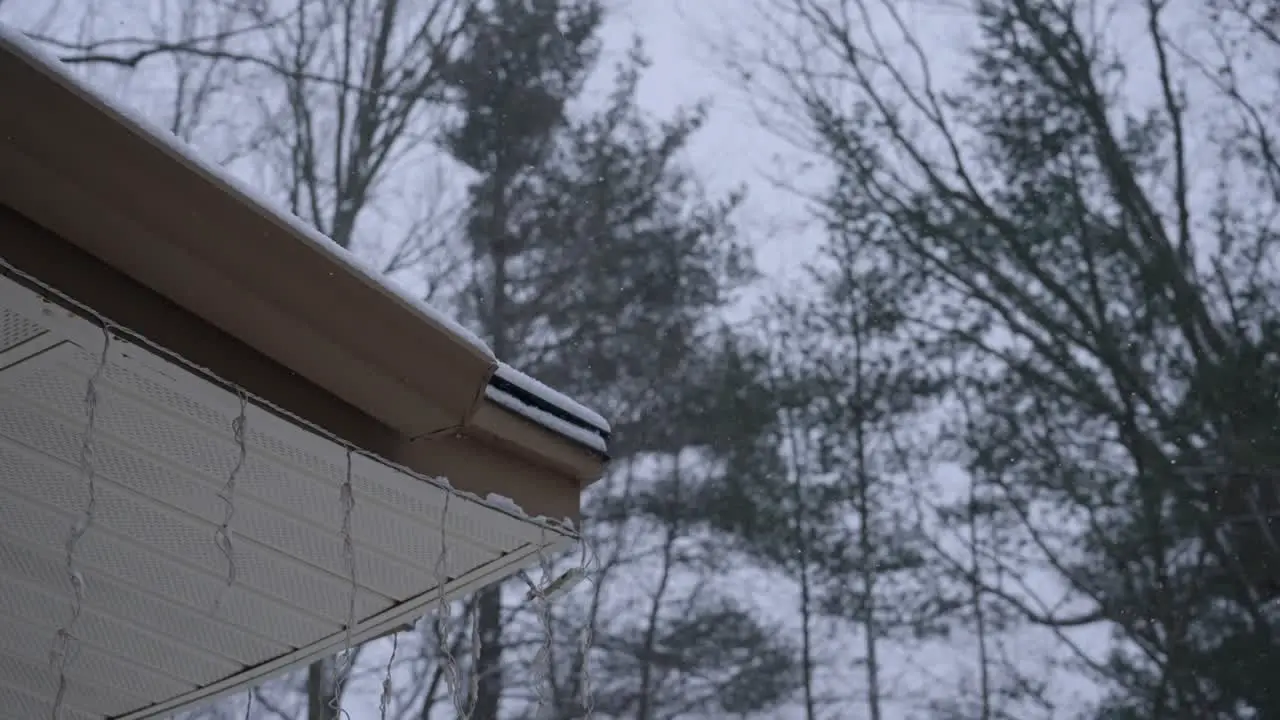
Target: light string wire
(543,596)
(347,497)
(65,645)
(477,646)
(452,674)
(384,700)
(588,561)
(222,537)
(562,528)
(542,669)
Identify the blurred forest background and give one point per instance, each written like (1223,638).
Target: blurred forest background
(1006,447)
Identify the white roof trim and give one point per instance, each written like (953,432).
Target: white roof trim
(152,570)
(553,397)
(35,54)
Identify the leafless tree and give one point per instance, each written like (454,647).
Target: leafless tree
(1090,189)
(344,100)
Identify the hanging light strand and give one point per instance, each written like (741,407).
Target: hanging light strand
(347,497)
(384,701)
(452,674)
(222,537)
(543,596)
(477,645)
(542,668)
(65,645)
(586,699)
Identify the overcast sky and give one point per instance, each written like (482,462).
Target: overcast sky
(734,150)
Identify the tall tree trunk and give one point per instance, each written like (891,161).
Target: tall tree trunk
(489,662)
(796,468)
(866,542)
(979,613)
(645,695)
(871,628)
(489,605)
(321,702)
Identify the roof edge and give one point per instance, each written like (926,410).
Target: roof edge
(133,196)
(316,265)
(382,623)
(525,386)
(38,58)
(539,436)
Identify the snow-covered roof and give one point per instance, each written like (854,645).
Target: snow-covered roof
(264,415)
(290,243)
(171,617)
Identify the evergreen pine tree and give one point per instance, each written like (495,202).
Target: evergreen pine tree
(599,265)
(524,61)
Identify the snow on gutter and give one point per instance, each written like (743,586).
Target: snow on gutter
(508,388)
(295,225)
(537,403)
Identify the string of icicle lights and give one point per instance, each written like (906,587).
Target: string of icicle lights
(66,644)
